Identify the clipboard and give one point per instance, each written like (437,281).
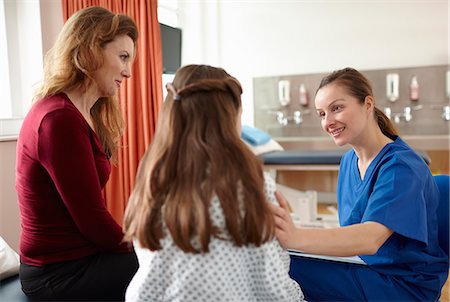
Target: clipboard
(353,260)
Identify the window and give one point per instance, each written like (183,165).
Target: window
(167,14)
(21,59)
(5,105)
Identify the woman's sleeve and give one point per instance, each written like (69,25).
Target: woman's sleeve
(65,151)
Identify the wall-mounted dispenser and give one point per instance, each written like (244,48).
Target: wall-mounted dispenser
(446,113)
(414,89)
(284,92)
(392,83)
(303,96)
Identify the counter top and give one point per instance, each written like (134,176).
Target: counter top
(312,157)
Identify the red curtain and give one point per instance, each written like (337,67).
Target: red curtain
(140,97)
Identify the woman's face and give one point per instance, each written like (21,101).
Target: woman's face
(342,116)
(118,56)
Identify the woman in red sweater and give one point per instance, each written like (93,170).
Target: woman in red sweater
(70,247)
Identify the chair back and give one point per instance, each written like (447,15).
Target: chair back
(443,183)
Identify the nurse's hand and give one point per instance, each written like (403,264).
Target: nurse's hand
(285,230)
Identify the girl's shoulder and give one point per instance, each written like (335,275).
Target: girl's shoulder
(268,179)
(269,186)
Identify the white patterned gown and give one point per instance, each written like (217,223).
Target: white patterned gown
(225,273)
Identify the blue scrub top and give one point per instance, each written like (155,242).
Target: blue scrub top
(399,192)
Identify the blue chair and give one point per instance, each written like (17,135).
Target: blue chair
(443,183)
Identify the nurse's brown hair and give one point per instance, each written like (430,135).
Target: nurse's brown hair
(359,87)
(197,154)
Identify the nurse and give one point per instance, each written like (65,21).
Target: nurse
(387,200)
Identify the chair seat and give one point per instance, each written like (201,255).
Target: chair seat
(11,290)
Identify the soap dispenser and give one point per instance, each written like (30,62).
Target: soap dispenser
(392,86)
(284,88)
(414,89)
(303,96)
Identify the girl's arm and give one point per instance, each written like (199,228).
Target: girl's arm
(353,240)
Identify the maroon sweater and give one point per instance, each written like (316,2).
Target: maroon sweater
(61,170)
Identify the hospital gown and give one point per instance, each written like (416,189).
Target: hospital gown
(225,273)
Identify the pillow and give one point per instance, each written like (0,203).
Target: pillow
(254,136)
(270,146)
(9,260)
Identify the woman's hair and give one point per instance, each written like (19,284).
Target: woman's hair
(197,154)
(77,54)
(359,87)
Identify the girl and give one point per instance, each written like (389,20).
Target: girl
(199,214)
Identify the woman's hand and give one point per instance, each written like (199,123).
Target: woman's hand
(285,230)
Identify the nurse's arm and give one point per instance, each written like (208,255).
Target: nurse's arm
(353,240)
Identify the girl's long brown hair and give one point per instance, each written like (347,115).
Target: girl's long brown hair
(359,87)
(77,54)
(197,153)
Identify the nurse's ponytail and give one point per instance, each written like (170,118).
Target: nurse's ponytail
(385,124)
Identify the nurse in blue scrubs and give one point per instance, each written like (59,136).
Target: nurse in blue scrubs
(387,200)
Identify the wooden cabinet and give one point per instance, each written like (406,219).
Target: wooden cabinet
(439,161)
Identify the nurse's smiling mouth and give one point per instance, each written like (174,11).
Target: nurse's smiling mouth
(336,132)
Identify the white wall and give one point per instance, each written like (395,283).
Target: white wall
(9,210)
(256,38)
(51,22)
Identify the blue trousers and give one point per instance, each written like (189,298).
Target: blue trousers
(324,280)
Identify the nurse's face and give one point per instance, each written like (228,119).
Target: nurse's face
(342,116)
